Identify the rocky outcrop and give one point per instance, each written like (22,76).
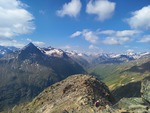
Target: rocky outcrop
(137,105)
(129,90)
(145,90)
(76,94)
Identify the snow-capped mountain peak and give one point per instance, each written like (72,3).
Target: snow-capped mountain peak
(50,51)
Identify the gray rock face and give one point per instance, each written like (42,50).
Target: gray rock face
(145,90)
(137,105)
(133,105)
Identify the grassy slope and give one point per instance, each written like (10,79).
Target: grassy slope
(115,75)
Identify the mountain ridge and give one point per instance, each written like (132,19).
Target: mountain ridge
(28,71)
(77,93)
(85,59)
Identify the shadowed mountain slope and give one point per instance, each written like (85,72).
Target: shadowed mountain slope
(25,73)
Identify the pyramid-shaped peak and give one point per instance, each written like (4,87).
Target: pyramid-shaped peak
(31,44)
(30,51)
(31,48)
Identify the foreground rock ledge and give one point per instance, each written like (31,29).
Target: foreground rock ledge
(75,94)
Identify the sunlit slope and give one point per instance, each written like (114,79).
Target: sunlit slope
(115,75)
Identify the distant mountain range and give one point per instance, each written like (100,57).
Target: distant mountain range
(82,58)
(6,50)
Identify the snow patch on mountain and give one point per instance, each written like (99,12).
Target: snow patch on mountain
(53,52)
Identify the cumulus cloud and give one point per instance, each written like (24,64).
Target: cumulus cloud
(14,19)
(118,37)
(145,39)
(110,37)
(122,33)
(116,40)
(140,19)
(11,42)
(127,33)
(71,9)
(88,35)
(77,33)
(38,43)
(104,9)
(107,32)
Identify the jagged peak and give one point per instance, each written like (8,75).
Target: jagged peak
(29,46)
(28,51)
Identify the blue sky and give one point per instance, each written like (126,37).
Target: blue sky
(92,26)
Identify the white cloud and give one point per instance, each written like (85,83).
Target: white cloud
(93,47)
(77,33)
(71,9)
(111,41)
(28,39)
(88,35)
(140,19)
(107,32)
(14,19)
(118,37)
(104,9)
(127,33)
(122,33)
(38,43)
(116,40)
(145,39)
(14,43)
(110,37)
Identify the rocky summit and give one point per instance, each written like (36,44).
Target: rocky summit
(85,94)
(76,94)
